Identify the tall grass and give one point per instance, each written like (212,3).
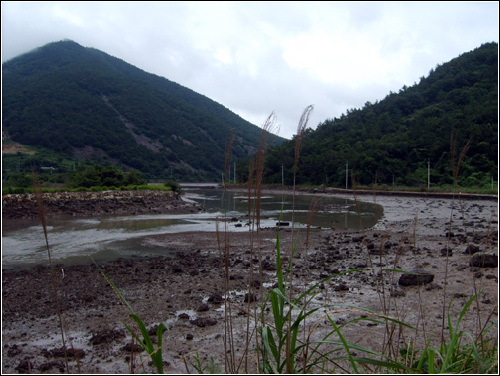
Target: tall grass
(41,210)
(282,332)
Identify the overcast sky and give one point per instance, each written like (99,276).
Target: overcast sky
(259,57)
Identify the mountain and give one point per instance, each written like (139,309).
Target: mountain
(84,104)
(395,140)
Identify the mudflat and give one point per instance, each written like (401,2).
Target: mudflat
(208,292)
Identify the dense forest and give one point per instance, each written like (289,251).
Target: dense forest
(454,110)
(79,104)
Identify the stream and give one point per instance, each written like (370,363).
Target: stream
(105,238)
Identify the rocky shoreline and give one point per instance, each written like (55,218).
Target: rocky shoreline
(17,208)
(437,236)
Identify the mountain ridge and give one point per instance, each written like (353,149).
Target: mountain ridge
(84,103)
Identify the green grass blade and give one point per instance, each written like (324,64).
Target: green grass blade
(345,344)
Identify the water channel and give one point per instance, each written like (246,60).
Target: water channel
(104,238)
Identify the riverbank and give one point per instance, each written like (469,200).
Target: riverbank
(187,291)
(19,210)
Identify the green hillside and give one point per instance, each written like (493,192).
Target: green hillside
(394,141)
(77,103)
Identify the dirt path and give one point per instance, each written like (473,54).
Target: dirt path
(186,291)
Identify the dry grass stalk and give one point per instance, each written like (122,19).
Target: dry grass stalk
(37,189)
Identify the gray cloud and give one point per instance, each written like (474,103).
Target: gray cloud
(256,57)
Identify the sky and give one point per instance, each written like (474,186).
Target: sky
(258,57)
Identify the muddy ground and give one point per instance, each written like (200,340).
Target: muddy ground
(195,295)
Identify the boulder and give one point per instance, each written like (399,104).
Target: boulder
(484,260)
(416,277)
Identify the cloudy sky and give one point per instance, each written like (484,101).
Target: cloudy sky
(258,57)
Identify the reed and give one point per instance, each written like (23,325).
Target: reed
(282,331)
(41,211)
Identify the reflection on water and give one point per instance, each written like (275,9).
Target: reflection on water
(72,241)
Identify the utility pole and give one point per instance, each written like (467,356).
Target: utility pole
(346,175)
(282,176)
(428,174)
(235,172)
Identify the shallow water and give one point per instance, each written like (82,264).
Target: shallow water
(78,241)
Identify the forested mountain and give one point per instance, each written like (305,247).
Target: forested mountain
(395,140)
(84,104)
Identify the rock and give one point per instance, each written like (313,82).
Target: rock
(135,348)
(25,366)
(204,321)
(105,336)
(341,287)
(203,308)
(189,336)
(44,367)
(471,249)
(484,260)
(397,293)
(250,298)
(446,252)
(215,298)
(421,277)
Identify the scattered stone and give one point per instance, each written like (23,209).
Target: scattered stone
(135,348)
(203,308)
(60,353)
(471,249)
(484,260)
(249,298)
(44,367)
(421,277)
(341,287)
(189,336)
(25,366)
(215,298)
(204,321)
(106,336)
(13,351)
(446,252)
(396,293)
(154,329)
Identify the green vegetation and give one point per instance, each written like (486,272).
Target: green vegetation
(396,140)
(84,178)
(83,104)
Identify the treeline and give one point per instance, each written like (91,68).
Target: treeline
(84,176)
(396,140)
